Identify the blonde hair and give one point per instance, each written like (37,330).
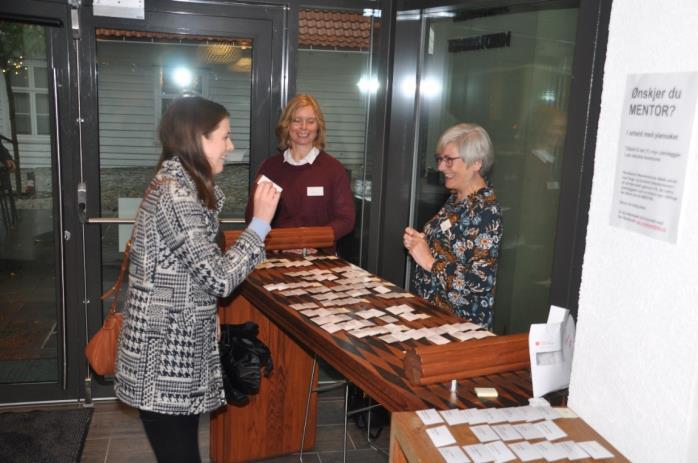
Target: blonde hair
(297,102)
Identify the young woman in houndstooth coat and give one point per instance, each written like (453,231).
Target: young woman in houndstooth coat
(168,364)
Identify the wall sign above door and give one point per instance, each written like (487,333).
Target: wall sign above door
(480,42)
(132,9)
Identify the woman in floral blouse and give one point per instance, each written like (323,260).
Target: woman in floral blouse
(457,254)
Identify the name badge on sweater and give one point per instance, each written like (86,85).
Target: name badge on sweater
(316,191)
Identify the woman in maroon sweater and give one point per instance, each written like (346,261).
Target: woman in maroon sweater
(315,185)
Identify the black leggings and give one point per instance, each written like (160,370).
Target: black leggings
(174,438)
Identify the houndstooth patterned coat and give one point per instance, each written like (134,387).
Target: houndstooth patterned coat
(168,359)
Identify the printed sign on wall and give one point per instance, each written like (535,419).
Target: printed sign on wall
(652,154)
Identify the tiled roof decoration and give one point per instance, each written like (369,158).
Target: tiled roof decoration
(164,37)
(343,30)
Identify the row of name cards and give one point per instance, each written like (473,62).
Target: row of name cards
(525,433)
(336,307)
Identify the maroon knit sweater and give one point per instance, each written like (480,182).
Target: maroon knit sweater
(335,207)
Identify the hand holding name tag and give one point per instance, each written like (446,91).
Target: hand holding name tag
(263,178)
(266,198)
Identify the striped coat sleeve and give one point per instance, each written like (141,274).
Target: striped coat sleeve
(185,226)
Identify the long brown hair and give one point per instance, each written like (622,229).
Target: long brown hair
(297,102)
(185,121)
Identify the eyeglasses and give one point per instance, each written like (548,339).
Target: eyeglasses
(446,160)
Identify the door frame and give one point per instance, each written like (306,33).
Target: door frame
(264,24)
(59,54)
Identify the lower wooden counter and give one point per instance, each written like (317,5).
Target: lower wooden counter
(409,443)
(272,423)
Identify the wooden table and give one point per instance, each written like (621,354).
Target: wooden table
(272,423)
(409,443)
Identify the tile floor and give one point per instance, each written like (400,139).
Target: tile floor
(116,436)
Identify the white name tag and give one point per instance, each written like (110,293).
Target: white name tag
(316,191)
(445,225)
(264,178)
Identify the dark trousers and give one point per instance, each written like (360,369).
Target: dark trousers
(174,438)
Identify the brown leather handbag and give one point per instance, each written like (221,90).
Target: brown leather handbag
(101,350)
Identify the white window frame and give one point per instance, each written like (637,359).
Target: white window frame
(32,90)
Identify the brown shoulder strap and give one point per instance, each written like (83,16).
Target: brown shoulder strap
(114,290)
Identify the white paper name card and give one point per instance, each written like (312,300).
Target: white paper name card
(453,454)
(479,453)
(484,433)
(525,451)
(595,450)
(550,430)
(440,436)
(429,416)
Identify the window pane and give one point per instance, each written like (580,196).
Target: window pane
(41,103)
(138,78)
(22,103)
(334,67)
(19,78)
(23,124)
(43,126)
(341,100)
(30,331)
(40,77)
(132,75)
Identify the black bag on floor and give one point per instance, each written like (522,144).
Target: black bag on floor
(243,359)
(380,417)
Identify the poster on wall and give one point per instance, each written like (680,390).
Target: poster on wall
(655,137)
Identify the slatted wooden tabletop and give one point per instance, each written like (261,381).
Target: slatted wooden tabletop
(372,364)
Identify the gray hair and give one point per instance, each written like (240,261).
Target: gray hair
(472,142)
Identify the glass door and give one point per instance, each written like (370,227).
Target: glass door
(508,68)
(139,69)
(338,67)
(37,245)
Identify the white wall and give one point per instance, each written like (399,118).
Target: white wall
(634,374)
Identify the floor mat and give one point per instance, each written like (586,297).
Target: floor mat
(43,436)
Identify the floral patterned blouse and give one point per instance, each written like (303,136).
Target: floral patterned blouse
(464,238)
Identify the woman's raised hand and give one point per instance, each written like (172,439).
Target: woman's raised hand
(266,198)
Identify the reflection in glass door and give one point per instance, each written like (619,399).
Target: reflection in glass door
(139,75)
(509,70)
(30,321)
(335,67)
